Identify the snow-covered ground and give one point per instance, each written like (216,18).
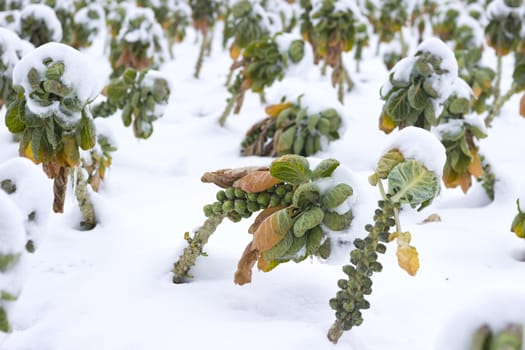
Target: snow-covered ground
(110,288)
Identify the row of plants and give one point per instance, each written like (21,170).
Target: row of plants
(304,209)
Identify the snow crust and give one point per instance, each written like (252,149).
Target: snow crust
(421,145)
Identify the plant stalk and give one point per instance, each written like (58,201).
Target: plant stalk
(195,248)
(498,104)
(84,201)
(228,109)
(200,59)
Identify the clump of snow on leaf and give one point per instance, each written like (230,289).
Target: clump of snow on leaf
(47,15)
(421,145)
(78,76)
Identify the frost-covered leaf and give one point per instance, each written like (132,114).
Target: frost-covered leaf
(410,182)
(291,168)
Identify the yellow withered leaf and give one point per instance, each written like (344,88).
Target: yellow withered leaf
(407,258)
(475,167)
(28,153)
(464,181)
(235,51)
(256,181)
(386,123)
(274,110)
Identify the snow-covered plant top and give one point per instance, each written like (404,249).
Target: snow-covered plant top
(142,97)
(204,14)
(409,167)
(140,42)
(293,128)
(30,190)
(11,253)
(302,208)
(53,82)
(88,22)
(419,85)
(10,20)
(247,22)
(387,17)
(12,48)
(504,28)
(263,62)
(50,110)
(39,24)
(459,133)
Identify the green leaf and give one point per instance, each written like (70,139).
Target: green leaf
(335,196)
(417,97)
(397,105)
(387,162)
(325,168)
(291,168)
(519,76)
(87,133)
(117,91)
(305,195)
(296,51)
(411,183)
(14,116)
(459,106)
(280,248)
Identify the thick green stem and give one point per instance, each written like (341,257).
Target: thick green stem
(200,59)
(348,80)
(340,88)
(195,248)
(262,97)
(228,109)
(84,202)
(498,104)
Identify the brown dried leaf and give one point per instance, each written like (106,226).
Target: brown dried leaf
(272,230)
(431,218)
(465,181)
(475,168)
(407,259)
(256,181)
(226,177)
(243,274)
(262,216)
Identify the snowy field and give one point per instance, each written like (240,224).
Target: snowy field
(110,288)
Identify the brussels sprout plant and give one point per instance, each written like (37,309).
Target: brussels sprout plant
(49,111)
(262,64)
(292,129)
(410,181)
(300,209)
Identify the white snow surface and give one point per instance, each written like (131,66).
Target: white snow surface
(12,237)
(110,288)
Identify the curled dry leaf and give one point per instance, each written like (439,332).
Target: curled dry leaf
(256,181)
(262,216)
(431,218)
(475,168)
(226,177)
(243,274)
(272,230)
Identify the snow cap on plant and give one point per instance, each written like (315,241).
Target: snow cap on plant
(87,24)
(418,86)
(39,24)
(504,28)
